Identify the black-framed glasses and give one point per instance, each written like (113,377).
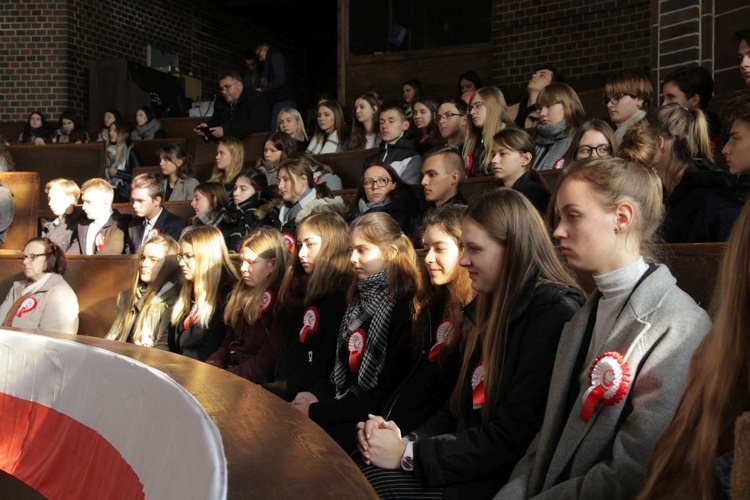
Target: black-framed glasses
(588,151)
(379,182)
(32,256)
(615,99)
(226,88)
(185,256)
(446,116)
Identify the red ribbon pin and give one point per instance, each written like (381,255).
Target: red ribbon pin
(99,242)
(357,340)
(190,317)
(267,302)
(309,323)
(609,380)
(445,331)
(28,305)
(290,240)
(477,387)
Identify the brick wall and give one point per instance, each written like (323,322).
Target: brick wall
(46,46)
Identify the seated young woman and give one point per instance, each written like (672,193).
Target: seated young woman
(524,298)
(365,132)
(411,90)
(63,195)
(425,113)
(108,118)
(71,129)
(512,154)
(177,168)
(44,300)
(437,333)
(119,161)
(560,115)
(209,200)
(624,356)
(230,156)
(322,264)
(593,139)
(147,125)
(143,310)
(291,123)
(277,147)
(488,115)
(197,326)
(254,315)
(329,135)
(322,173)
(372,347)
(702,452)
(36,130)
(382,190)
(250,193)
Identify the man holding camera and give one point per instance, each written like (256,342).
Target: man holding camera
(239,112)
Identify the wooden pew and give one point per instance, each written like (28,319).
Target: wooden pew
(78,162)
(11,130)
(147,150)
(272,450)
(25,189)
(347,165)
(205,152)
(153,169)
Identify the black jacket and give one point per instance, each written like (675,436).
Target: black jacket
(473,459)
(534,192)
(405,210)
(403,157)
(239,221)
(249,114)
(702,207)
(64,234)
(277,77)
(166,223)
(306,363)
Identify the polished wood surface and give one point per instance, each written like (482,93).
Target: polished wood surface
(272,450)
(348,165)
(25,189)
(147,149)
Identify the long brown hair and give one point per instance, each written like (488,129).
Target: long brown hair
(512,221)
(498,117)
(332,270)
(245,301)
(717,389)
(237,151)
(169,272)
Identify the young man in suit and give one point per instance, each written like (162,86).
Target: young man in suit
(147,195)
(103,232)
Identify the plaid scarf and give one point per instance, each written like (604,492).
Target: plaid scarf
(373,300)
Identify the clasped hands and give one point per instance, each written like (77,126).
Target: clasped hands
(379,442)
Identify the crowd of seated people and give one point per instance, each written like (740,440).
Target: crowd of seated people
(476,366)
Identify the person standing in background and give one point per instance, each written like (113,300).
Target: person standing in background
(276,81)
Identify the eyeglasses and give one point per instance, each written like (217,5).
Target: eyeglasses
(185,256)
(226,88)
(587,151)
(476,106)
(446,116)
(32,256)
(615,99)
(379,182)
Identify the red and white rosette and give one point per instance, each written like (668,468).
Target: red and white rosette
(309,323)
(267,302)
(477,386)
(99,242)
(28,305)
(357,341)
(190,319)
(609,380)
(469,164)
(445,331)
(290,240)
(559,164)
(152,233)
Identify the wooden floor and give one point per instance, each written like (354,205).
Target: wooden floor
(272,450)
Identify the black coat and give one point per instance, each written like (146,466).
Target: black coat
(405,210)
(64,234)
(473,459)
(702,207)
(277,77)
(250,114)
(239,221)
(533,191)
(306,363)
(166,223)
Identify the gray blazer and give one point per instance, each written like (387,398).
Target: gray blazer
(607,457)
(183,189)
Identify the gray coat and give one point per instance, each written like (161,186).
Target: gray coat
(183,189)
(607,457)
(55,310)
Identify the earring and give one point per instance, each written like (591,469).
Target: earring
(617,229)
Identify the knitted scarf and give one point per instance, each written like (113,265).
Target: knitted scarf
(373,300)
(551,144)
(145,131)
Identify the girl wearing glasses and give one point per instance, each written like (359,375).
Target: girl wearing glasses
(593,139)
(425,119)
(365,129)
(372,347)
(318,280)
(560,115)
(627,97)
(255,334)
(488,115)
(197,322)
(512,154)
(143,310)
(329,135)
(382,190)
(44,300)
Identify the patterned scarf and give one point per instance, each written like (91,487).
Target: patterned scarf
(551,144)
(373,300)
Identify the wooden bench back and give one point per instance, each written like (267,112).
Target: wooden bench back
(147,150)
(78,162)
(347,165)
(25,189)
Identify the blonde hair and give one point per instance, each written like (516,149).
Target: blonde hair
(301,134)
(245,301)
(122,141)
(718,384)
(237,151)
(169,272)
(498,117)
(512,221)
(212,270)
(68,187)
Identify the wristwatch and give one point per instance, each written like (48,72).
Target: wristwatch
(407,459)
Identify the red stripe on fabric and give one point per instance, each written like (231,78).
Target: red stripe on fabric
(59,456)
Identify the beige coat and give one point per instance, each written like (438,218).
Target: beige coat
(55,310)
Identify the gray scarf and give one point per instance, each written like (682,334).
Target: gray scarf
(551,144)
(365,206)
(145,131)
